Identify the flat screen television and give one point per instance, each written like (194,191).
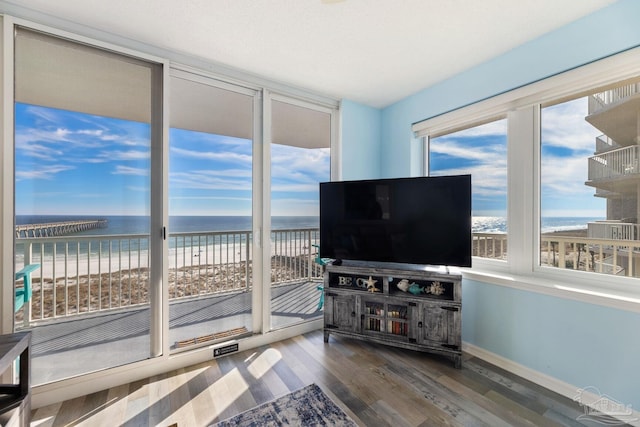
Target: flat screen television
(420,220)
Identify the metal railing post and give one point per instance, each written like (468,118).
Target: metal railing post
(309,257)
(247,255)
(28,254)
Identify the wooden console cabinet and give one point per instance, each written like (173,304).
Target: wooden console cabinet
(412,307)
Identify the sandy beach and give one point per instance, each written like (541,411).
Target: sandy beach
(122,279)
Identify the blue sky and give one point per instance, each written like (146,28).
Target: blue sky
(482,152)
(567,142)
(78,164)
(70,163)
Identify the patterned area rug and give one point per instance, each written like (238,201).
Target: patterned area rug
(308,406)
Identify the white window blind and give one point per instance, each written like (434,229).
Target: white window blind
(57,73)
(300,126)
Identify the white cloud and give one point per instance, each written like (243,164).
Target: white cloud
(44,172)
(564,126)
(124,155)
(226,156)
(564,169)
(489,154)
(126,170)
(487,163)
(299,164)
(209,181)
(50,139)
(226,173)
(565,176)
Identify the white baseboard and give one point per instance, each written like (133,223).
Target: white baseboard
(588,397)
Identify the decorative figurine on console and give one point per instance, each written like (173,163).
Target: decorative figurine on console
(403,285)
(371,285)
(416,289)
(413,288)
(436,288)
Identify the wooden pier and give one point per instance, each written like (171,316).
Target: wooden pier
(51,229)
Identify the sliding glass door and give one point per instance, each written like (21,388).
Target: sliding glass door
(86,122)
(211,211)
(156,210)
(300,160)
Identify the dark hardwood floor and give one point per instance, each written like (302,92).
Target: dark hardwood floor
(376,385)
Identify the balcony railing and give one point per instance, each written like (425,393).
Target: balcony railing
(490,245)
(615,252)
(600,101)
(611,248)
(90,274)
(615,163)
(616,230)
(608,256)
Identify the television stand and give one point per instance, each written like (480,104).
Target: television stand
(417,308)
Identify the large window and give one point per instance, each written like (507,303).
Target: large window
(573,175)
(83,140)
(152,216)
(590,182)
(211,166)
(300,154)
(482,152)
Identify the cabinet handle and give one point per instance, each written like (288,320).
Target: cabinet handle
(353,314)
(449,308)
(419,324)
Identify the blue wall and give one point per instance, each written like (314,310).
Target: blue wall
(361,149)
(601,34)
(579,343)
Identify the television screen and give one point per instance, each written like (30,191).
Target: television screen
(421,220)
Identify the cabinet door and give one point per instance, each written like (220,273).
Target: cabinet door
(439,325)
(390,318)
(340,312)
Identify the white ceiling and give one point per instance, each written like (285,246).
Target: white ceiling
(374,52)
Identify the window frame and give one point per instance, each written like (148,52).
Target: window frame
(158,204)
(171,62)
(491,263)
(522,106)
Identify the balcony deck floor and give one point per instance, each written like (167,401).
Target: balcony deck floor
(69,348)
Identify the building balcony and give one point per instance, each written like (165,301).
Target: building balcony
(90,308)
(604,144)
(615,113)
(616,170)
(612,229)
(603,100)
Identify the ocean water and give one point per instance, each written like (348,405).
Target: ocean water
(139,225)
(187,224)
(493,224)
(136,225)
(177,224)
